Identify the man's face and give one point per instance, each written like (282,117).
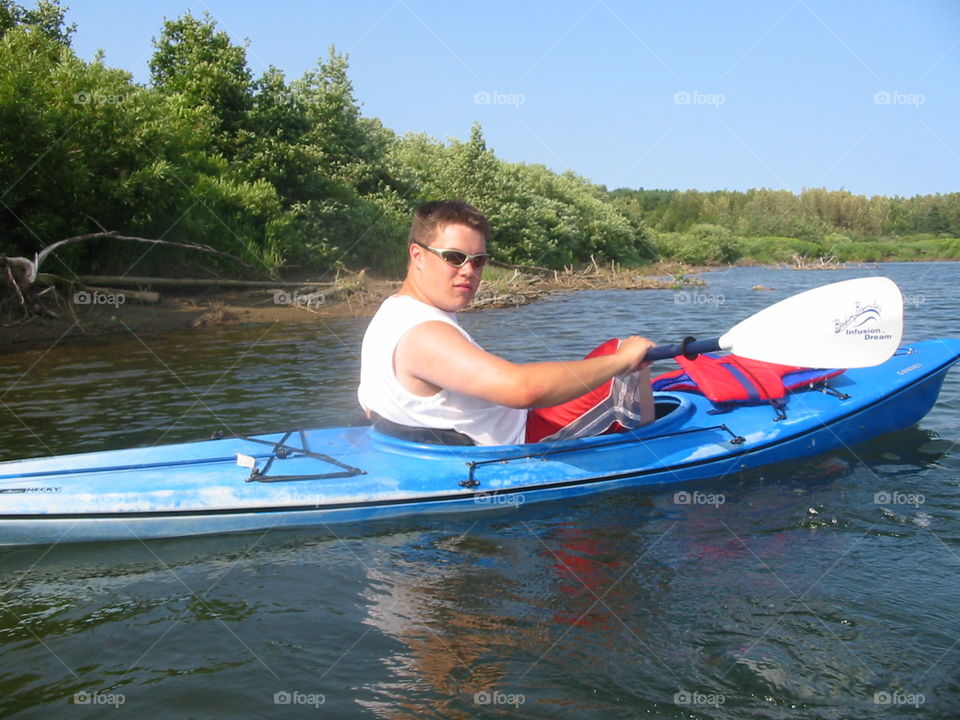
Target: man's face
(450,288)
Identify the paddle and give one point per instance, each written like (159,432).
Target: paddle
(854,323)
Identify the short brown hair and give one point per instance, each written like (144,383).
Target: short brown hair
(431,216)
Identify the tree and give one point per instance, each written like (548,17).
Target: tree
(684,210)
(473,172)
(350,212)
(47,17)
(274,145)
(196,60)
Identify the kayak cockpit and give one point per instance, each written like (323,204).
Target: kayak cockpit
(672,409)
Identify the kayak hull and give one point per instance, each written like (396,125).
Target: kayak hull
(355,475)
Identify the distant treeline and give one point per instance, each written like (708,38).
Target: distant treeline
(289,174)
(776,225)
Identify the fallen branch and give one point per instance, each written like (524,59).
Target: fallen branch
(523,268)
(144,297)
(21,274)
(820,263)
(41,256)
(16,286)
(508,299)
(133,281)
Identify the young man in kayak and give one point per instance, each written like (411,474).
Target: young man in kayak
(419,368)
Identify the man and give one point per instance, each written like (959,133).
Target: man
(419,368)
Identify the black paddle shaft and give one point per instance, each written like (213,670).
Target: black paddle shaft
(688,347)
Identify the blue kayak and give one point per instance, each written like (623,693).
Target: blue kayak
(355,474)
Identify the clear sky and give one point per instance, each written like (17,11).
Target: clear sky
(709,95)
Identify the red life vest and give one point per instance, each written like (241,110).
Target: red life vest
(733,380)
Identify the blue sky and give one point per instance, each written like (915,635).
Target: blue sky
(707,95)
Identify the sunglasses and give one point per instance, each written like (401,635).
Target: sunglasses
(456,258)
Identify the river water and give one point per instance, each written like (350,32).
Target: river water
(797,597)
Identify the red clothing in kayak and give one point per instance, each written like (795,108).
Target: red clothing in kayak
(612,406)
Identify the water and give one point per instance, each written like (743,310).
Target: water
(799,596)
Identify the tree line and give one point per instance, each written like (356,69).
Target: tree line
(288,174)
(775,225)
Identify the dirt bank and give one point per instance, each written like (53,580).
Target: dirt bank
(106,312)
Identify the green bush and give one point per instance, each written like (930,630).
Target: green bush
(701,244)
(774,249)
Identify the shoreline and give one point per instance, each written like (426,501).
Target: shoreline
(107,312)
(354,295)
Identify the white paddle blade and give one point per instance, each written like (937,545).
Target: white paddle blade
(854,323)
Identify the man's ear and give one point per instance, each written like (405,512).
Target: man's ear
(416,254)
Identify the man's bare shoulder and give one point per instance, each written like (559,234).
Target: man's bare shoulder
(431,334)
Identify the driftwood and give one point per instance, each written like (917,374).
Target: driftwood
(144,297)
(508,299)
(130,238)
(821,263)
(19,276)
(17,294)
(524,268)
(132,281)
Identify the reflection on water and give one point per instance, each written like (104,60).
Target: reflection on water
(800,595)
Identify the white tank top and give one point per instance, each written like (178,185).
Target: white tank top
(381,392)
